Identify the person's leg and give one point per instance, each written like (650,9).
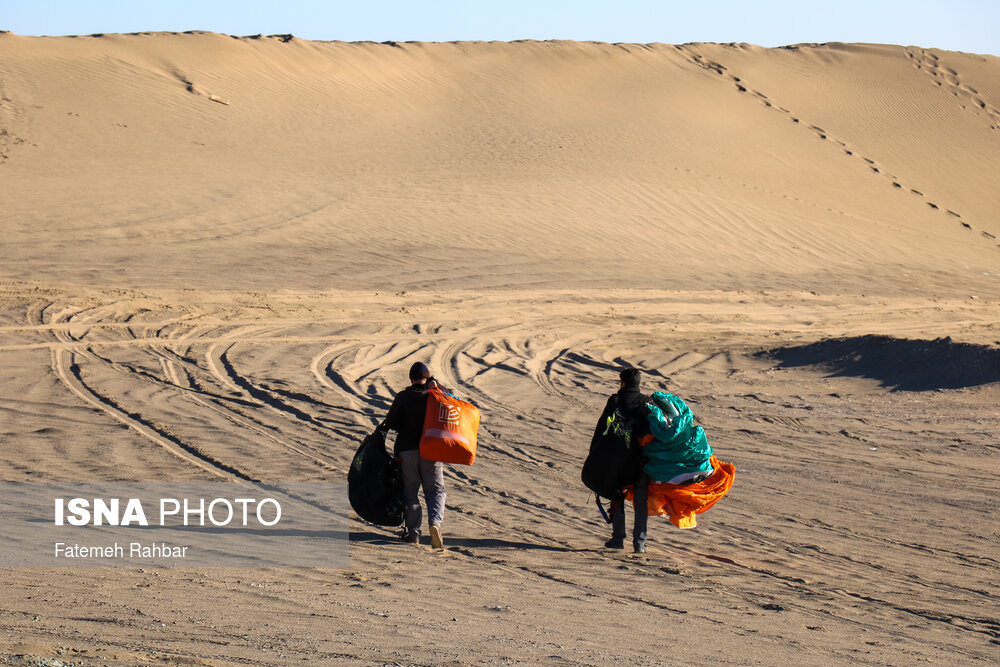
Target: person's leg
(640,494)
(432,476)
(617,540)
(410,468)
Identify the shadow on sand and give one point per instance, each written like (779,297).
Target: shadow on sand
(461,542)
(899,364)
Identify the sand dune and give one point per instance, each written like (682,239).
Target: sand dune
(361,161)
(220,255)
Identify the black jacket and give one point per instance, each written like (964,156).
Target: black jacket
(406,417)
(633,403)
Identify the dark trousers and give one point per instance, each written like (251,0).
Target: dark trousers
(639,493)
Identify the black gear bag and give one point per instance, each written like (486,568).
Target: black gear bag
(613,462)
(374,483)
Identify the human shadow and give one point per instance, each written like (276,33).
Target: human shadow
(368,537)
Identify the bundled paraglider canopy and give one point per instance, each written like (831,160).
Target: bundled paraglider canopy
(681,502)
(374,483)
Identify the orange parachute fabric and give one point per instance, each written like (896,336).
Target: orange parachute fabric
(680,502)
(450,429)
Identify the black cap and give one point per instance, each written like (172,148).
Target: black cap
(419,371)
(630,377)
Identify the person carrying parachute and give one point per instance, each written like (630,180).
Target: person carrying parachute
(648,449)
(614,462)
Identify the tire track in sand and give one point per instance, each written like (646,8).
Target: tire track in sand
(69,373)
(239,420)
(63,363)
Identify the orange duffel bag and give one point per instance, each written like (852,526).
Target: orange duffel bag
(450,428)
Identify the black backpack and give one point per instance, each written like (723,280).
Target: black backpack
(374,483)
(613,462)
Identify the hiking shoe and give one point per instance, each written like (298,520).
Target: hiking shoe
(614,544)
(411,539)
(436,541)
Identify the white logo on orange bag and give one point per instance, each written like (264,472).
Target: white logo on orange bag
(449,414)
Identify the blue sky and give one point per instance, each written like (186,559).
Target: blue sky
(960,25)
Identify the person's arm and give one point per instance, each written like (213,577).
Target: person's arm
(394,416)
(640,429)
(433,383)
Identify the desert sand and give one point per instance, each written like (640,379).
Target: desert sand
(221,254)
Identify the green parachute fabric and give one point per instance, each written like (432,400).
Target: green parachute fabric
(678,445)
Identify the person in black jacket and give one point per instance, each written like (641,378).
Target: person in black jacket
(632,403)
(406,418)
